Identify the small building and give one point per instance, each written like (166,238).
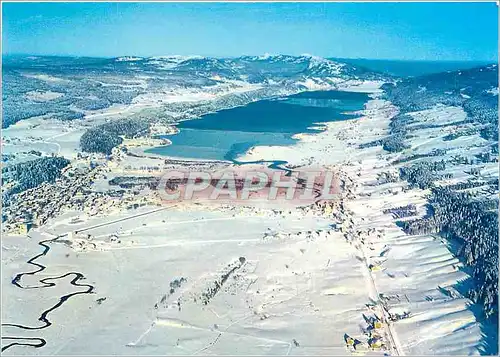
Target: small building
(25,227)
(375,343)
(374,267)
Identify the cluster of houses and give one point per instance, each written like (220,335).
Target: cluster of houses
(305,235)
(72,191)
(35,206)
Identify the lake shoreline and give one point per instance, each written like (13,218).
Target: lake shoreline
(218,147)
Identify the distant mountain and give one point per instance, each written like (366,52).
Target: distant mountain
(129,59)
(80,84)
(402,68)
(254,67)
(451,87)
(209,67)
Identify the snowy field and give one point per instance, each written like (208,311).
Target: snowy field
(200,280)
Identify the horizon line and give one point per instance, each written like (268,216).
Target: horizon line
(250,55)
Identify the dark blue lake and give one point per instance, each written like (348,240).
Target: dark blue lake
(228,133)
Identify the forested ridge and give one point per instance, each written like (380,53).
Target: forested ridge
(467,217)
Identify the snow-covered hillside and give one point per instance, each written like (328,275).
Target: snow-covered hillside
(89,84)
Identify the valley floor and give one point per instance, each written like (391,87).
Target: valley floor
(185,280)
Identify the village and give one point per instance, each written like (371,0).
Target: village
(72,191)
